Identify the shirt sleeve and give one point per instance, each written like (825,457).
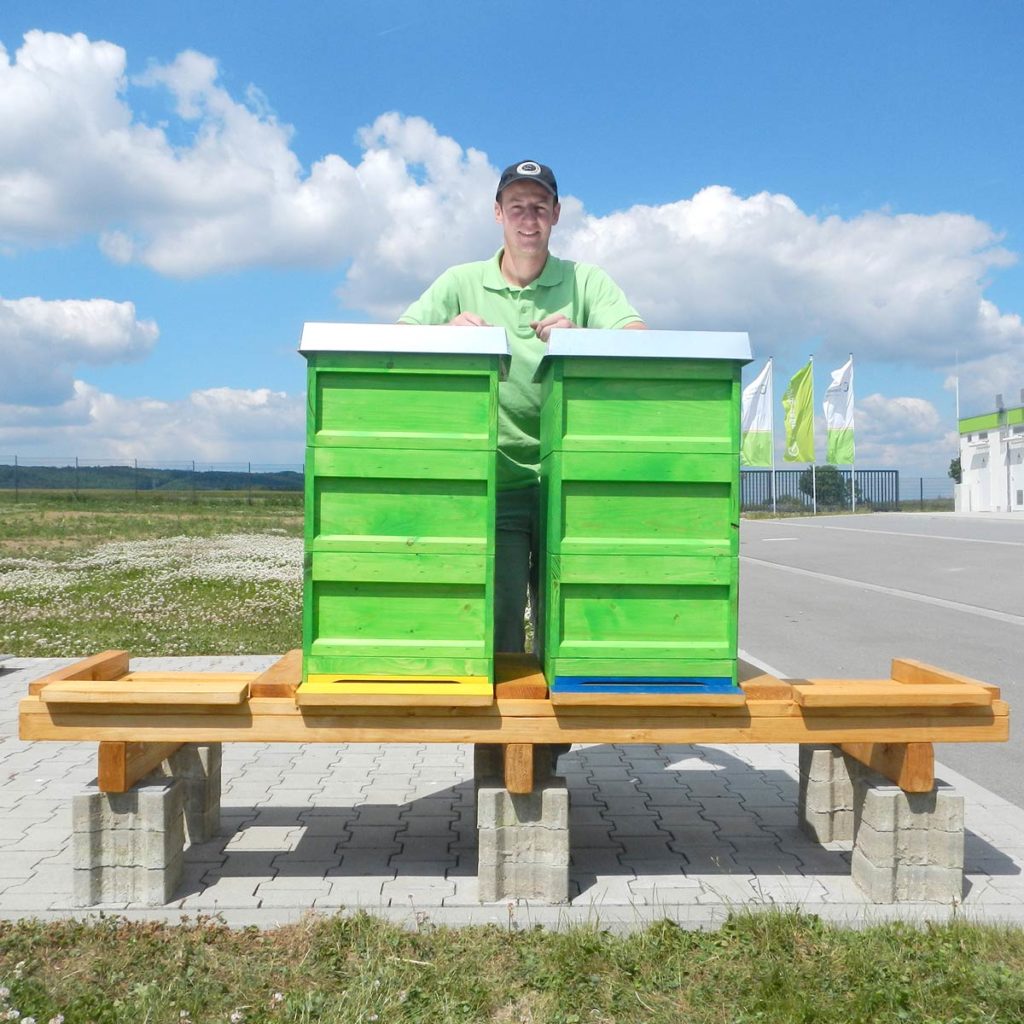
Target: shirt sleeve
(604,303)
(437,305)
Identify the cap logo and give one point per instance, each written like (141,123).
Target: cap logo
(528,167)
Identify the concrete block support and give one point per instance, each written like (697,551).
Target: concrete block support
(523,842)
(825,805)
(128,847)
(198,766)
(907,846)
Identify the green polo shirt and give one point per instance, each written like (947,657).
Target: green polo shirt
(580,291)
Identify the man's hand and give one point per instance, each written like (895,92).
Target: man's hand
(468,320)
(542,328)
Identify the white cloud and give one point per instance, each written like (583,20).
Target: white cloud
(219,188)
(890,288)
(43,342)
(216,425)
(903,433)
(909,418)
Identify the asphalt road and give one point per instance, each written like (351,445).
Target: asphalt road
(840,596)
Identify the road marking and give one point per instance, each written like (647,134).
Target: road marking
(969,609)
(898,533)
(776,540)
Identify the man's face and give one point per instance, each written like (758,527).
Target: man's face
(527,212)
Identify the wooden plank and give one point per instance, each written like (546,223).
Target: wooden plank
(649,700)
(277,720)
(281,679)
(910,765)
(169,690)
(106,665)
(881,693)
(906,670)
(121,764)
(519,677)
(518,758)
(765,687)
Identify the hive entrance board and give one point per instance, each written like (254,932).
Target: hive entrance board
(329,691)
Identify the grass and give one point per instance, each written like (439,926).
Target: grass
(773,966)
(153,574)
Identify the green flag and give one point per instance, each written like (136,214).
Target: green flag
(798,404)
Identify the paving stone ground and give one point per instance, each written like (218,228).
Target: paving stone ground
(687,832)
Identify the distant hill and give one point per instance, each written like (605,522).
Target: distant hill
(128,478)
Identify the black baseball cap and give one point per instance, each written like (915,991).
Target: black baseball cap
(528,170)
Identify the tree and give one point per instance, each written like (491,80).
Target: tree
(955,470)
(833,490)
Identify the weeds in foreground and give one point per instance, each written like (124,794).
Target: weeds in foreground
(771,966)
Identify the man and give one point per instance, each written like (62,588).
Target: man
(527,291)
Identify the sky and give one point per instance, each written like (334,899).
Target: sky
(183,185)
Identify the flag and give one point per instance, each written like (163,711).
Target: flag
(798,403)
(756,420)
(838,406)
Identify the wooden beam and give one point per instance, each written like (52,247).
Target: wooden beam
(106,665)
(121,764)
(910,765)
(765,687)
(281,679)
(906,670)
(278,720)
(188,691)
(886,694)
(518,767)
(519,677)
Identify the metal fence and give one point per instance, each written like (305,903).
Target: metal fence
(879,489)
(75,474)
(876,489)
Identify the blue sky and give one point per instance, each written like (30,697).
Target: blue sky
(181,186)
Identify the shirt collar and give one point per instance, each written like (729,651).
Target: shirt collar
(552,274)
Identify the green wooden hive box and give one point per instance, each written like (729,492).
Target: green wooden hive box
(640,486)
(399,512)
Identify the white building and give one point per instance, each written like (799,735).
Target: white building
(992,461)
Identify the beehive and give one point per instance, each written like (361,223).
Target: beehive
(400,512)
(640,486)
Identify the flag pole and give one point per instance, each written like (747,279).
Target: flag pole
(814,478)
(771,404)
(853,458)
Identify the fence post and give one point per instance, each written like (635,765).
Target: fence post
(250,482)
(135,477)
(15,477)
(76,479)
(921,491)
(193,479)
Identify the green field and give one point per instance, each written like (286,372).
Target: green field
(152,574)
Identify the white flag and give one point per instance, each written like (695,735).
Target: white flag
(756,427)
(838,406)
